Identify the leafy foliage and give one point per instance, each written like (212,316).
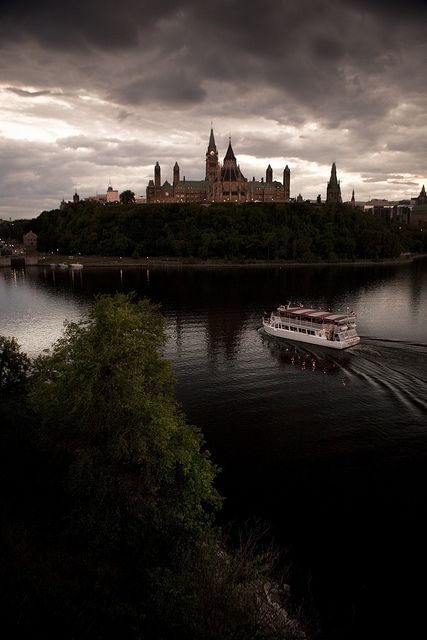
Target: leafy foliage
(108,520)
(127,197)
(106,400)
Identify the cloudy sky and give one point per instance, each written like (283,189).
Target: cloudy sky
(95,91)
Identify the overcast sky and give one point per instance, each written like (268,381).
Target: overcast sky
(100,90)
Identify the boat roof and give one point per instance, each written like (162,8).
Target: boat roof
(316,314)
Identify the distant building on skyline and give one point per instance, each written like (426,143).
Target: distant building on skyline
(112,194)
(226,183)
(222,183)
(419,210)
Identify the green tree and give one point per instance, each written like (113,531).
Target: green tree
(106,400)
(127,197)
(128,480)
(116,538)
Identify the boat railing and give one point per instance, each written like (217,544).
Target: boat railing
(306,322)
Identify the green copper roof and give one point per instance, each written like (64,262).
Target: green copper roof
(193,183)
(263,185)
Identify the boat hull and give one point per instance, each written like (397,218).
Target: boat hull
(321,341)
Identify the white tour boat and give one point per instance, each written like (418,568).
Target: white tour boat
(76,265)
(296,322)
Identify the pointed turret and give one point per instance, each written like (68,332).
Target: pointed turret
(269,174)
(157,175)
(333,190)
(175,174)
(422,198)
(353,201)
(287,182)
(211,144)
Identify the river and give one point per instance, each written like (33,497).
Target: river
(328,448)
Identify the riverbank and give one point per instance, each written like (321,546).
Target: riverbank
(43,260)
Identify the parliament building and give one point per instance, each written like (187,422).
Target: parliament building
(223,183)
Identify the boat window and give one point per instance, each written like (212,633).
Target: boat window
(293,328)
(303,330)
(287,327)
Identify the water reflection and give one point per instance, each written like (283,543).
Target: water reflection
(325,445)
(307,359)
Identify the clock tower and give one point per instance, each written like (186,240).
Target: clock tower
(211,160)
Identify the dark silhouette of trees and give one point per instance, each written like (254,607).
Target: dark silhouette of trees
(258,231)
(127,197)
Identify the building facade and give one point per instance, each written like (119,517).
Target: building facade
(30,240)
(419,210)
(223,183)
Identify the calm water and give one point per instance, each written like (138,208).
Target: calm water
(329,448)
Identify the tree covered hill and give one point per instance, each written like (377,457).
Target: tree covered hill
(258,231)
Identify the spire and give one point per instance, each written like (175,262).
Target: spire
(423,192)
(230,153)
(333,190)
(287,183)
(157,175)
(212,144)
(230,172)
(269,174)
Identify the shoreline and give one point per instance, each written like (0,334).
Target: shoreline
(46,260)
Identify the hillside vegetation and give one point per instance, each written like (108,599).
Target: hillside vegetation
(295,231)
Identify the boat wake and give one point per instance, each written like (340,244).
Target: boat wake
(385,341)
(394,369)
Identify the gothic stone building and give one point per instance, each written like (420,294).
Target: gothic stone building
(222,183)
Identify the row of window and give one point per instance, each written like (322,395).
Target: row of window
(310,332)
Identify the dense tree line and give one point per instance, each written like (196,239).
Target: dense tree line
(108,497)
(295,231)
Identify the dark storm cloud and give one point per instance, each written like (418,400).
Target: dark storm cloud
(324,55)
(176,88)
(355,68)
(81,23)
